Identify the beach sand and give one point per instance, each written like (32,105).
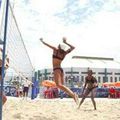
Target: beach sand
(60,109)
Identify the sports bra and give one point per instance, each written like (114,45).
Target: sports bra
(93,80)
(57,55)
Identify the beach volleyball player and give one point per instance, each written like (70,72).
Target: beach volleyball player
(59,54)
(4,98)
(89,87)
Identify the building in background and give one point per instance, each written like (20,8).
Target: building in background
(104,70)
(75,76)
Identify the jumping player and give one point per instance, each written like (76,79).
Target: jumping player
(57,58)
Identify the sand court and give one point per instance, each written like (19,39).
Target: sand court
(60,109)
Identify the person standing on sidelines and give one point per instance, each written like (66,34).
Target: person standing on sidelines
(26,85)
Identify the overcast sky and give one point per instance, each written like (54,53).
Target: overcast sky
(92,26)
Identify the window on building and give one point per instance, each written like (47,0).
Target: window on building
(111,79)
(76,79)
(99,79)
(105,79)
(115,79)
(82,78)
(66,79)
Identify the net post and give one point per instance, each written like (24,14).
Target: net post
(3,56)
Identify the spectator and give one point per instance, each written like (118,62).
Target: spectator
(112,92)
(26,85)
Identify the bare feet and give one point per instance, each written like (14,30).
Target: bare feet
(76,98)
(78,107)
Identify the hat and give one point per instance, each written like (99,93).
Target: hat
(62,46)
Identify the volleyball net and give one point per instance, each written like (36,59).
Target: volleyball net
(19,61)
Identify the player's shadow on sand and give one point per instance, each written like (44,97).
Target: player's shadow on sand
(88,110)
